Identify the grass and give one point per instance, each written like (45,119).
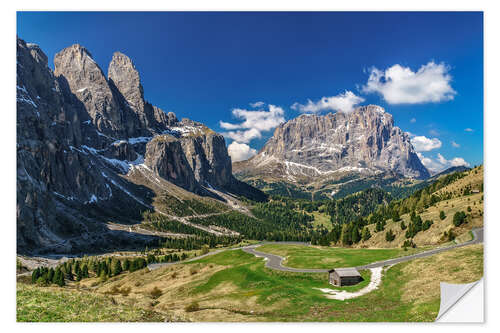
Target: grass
(322,219)
(300,256)
(236,286)
(50,304)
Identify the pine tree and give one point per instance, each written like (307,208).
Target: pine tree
(395,215)
(356,237)
(366,235)
(390,236)
(442,215)
(59,278)
(69,273)
(50,275)
(117,267)
(79,275)
(35,275)
(85,271)
(126,265)
(78,271)
(346,235)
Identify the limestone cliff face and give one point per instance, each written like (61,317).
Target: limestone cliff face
(164,155)
(313,146)
(124,77)
(79,133)
(207,155)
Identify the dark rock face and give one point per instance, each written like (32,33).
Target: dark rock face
(164,155)
(365,140)
(86,81)
(78,132)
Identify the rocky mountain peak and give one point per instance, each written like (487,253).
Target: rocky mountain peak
(37,53)
(75,67)
(123,74)
(317,146)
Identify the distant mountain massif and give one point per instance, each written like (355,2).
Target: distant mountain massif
(334,154)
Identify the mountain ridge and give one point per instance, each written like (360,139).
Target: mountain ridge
(80,134)
(313,150)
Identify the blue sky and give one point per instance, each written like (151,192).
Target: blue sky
(205,65)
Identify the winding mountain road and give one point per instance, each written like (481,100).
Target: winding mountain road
(274,261)
(477,238)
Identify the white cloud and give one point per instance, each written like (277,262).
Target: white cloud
(244,136)
(441,159)
(257,104)
(254,122)
(400,85)
(433,132)
(240,151)
(440,163)
(413,120)
(343,102)
(455,145)
(422,143)
(469,130)
(458,161)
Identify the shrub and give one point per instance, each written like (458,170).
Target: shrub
(125,291)
(155,292)
(459,218)
(389,236)
(192,307)
(427,224)
(442,215)
(409,243)
(205,249)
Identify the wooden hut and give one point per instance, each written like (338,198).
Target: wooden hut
(344,276)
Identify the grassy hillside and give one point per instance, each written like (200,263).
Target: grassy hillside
(52,304)
(434,235)
(470,203)
(235,286)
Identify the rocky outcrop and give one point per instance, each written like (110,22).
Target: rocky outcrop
(312,146)
(78,136)
(164,155)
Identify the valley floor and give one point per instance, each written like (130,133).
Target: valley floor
(236,286)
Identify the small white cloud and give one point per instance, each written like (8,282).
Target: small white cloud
(441,159)
(240,151)
(433,132)
(257,104)
(469,130)
(458,161)
(422,143)
(244,136)
(455,145)
(400,85)
(343,102)
(440,163)
(413,120)
(228,126)
(254,122)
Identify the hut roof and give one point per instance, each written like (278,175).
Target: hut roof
(351,271)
